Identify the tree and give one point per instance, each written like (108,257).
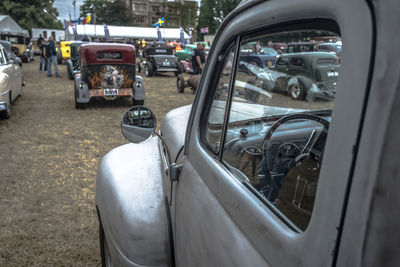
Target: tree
(32,13)
(110,12)
(213,12)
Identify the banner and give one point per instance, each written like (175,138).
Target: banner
(159,23)
(204,30)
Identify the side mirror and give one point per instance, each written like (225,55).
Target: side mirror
(138,124)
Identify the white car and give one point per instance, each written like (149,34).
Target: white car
(11,82)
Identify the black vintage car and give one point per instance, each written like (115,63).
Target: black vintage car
(73,63)
(307,75)
(159,59)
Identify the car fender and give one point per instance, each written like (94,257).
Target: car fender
(131,204)
(138,88)
(82,90)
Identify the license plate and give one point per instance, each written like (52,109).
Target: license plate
(166,63)
(110,92)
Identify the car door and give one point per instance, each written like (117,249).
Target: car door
(222,215)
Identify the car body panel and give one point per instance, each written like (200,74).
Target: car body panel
(65,47)
(136,198)
(185,53)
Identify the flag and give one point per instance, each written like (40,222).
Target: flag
(86,19)
(204,30)
(160,22)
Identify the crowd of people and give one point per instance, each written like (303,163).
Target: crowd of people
(48,55)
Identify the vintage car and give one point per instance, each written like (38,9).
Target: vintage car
(107,71)
(159,59)
(192,82)
(11,82)
(307,75)
(265,57)
(20,47)
(334,48)
(228,181)
(186,53)
(298,47)
(73,62)
(10,53)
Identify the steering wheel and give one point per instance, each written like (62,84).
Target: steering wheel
(274,187)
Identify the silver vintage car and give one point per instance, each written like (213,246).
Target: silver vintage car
(11,82)
(233,180)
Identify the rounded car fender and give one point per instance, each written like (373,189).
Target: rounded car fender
(82,90)
(131,204)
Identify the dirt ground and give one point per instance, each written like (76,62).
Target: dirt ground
(49,154)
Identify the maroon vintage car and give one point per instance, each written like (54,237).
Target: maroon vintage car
(108,72)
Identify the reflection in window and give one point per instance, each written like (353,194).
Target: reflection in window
(279,118)
(216,115)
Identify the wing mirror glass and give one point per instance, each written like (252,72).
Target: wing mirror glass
(138,124)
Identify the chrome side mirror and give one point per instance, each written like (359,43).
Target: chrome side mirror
(138,124)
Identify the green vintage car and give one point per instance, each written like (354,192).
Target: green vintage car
(185,53)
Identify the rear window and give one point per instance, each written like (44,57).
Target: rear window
(108,55)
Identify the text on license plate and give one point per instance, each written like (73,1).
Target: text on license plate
(110,92)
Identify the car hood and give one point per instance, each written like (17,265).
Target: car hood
(173,129)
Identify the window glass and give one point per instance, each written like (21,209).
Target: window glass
(279,118)
(215,119)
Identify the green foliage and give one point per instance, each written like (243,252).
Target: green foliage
(32,13)
(213,12)
(110,12)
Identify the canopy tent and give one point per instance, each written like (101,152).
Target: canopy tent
(10,27)
(125,32)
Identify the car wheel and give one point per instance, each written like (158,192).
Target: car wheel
(296,91)
(59,58)
(136,102)
(104,251)
(138,67)
(180,84)
(6,114)
(149,69)
(180,69)
(69,72)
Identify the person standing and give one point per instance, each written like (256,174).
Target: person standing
(41,46)
(198,59)
(51,54)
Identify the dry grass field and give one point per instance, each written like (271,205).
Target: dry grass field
(49,154)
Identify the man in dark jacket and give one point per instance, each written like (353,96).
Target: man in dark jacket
(51,55)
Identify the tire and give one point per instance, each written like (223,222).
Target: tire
(59,58)
(296,91)
(137,102)
(180,69)
(69,72)
(138,67)
(180,84)
(149,69)
(6,114)
(104,250)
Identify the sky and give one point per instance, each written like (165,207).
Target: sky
(64,7)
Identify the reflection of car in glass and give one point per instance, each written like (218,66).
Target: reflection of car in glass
(10,53)
(107,71)
(330,47)
(300,47)
(272,181)
(11,82)
(159,59)
(73,63)
(266,56)
(301,75)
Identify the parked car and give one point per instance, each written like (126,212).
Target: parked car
(159,59)
(303,76)
(330,47)
(19,46)
(228,181)
(73,62)
(107,71)
(11,82)
(265,57)
(65,50)
(186,53)
(10,53)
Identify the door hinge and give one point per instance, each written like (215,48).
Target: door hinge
(174,171)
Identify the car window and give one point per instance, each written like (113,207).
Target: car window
(215,117)
(279,121)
